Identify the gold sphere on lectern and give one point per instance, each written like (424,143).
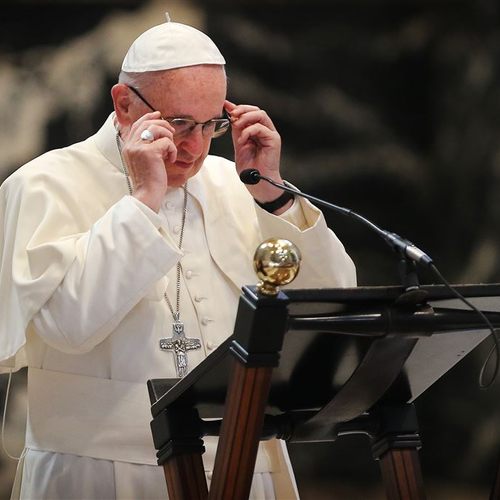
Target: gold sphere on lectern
(277,263)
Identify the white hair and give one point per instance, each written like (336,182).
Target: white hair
(138,80)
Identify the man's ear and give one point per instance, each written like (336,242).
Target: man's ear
(123,104)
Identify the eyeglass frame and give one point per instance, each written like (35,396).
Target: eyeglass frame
(222,131)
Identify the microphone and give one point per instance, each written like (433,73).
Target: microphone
(400,245)
(250,176)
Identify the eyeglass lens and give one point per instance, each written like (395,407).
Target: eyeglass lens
(212,128)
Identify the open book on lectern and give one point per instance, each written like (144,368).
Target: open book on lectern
(348,345)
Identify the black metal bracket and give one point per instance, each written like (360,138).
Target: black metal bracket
(398,428)
(259,328)
(408,271)
(177,431)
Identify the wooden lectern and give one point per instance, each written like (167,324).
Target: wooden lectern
(312,365)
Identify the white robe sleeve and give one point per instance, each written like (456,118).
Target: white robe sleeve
(117,262)
(55,219)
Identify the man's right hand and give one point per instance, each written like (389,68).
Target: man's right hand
(145,159)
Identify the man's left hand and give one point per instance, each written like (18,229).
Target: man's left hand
(257,144)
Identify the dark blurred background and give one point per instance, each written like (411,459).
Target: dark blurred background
(391,108)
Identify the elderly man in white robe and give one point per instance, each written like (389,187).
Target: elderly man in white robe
(110,242)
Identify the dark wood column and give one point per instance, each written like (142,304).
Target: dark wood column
(257,342)
(402,475)
(177,433)
(238,445)
(396,445)
(185,476)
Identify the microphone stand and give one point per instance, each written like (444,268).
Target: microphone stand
(410,256)
(409,253)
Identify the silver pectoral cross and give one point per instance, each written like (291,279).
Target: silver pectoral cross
(179,344)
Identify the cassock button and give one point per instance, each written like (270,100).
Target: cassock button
(209,475)
(198,298)
(205,320)
(177,229)
(189,275)
(212,345)
(170,205)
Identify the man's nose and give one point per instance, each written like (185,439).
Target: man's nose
(194,142)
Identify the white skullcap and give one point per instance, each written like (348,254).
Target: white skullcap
(169,46)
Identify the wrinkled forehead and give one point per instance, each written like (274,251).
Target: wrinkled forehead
(197,91)
(197,73)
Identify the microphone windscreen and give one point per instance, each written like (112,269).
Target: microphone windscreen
(250,176)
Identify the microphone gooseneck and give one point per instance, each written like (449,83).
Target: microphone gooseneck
(401,245)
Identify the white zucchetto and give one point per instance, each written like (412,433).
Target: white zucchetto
(169,46)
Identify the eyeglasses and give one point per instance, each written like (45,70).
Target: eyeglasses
(184,126)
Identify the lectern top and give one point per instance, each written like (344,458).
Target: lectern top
(317,365)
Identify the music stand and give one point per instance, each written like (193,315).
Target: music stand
(352,360)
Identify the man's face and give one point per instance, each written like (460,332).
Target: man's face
(198,93)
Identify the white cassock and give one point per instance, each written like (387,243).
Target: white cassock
(83,273)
